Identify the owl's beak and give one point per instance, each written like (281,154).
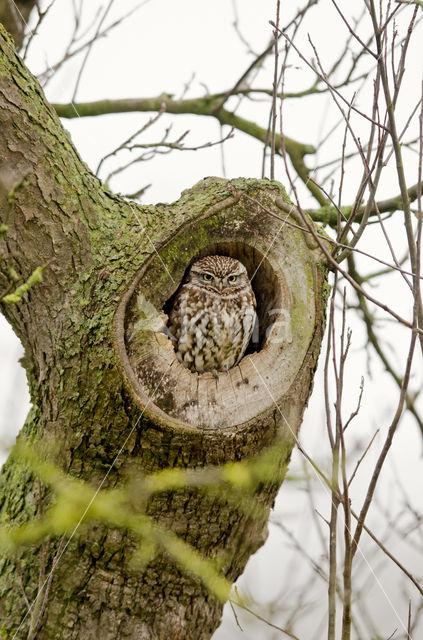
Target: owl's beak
(220,285)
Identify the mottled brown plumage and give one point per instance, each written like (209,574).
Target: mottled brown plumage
(213,315)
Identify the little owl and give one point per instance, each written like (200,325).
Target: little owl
(213,315)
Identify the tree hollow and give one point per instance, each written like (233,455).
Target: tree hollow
(282,270)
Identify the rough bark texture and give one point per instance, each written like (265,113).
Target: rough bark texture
(93,246)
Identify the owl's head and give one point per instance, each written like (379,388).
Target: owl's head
(220,274)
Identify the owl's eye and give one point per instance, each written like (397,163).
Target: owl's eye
(232,278)
(207,276)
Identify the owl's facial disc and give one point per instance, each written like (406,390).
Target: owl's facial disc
(220,274)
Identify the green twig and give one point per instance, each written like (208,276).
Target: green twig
(204,106)
(16,297)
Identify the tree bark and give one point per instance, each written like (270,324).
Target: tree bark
(96,383)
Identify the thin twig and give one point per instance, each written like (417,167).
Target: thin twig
(84,62)
(361,458)
(335,494)
(275,90)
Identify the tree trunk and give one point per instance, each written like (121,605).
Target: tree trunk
(104,379)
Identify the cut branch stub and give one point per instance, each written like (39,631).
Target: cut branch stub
(261,392)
